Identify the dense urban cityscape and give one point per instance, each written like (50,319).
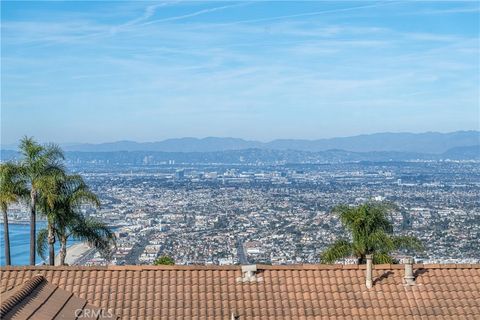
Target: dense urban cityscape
(277,214)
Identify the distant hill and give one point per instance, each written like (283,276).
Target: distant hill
(209,144)
(469,152)
(429,142)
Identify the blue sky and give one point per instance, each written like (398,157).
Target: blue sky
(145,71)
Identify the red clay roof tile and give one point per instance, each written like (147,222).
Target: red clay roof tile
(284,292)
(39,299)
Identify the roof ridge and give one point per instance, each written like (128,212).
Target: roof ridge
(25,290)
(238,267)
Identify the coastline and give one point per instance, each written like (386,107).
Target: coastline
(74,253)
(20,246)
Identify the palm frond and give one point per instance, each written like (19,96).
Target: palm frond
(29,148)
(94,232)
(346,215)
(53,151)
(407,242)
(338,250)
(83,197)
(13,186)
(54,168)
(42,243)
(379,241)
(48,187)
(382,257)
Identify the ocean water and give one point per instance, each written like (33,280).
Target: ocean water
(20,244)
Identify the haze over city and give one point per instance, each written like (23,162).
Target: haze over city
(255,70)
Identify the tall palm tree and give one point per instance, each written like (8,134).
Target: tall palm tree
(67,221)
(371,233)
(50,193)
(12,189)
(38,161)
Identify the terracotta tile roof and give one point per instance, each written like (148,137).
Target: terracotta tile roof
(38,299)
(280,292)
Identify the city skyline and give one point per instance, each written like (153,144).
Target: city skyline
(147,71)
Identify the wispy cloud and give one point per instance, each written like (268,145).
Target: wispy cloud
(196,13)
(447,11)
(215,64)
(316,13)
(148,12)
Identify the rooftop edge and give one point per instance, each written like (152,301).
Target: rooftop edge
(238,267)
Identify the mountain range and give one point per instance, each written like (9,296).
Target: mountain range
(456,143)
(429,142)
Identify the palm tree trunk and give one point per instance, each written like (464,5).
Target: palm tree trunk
(7,238)
(63,250)
(33,200)
(362,259)
(51,245)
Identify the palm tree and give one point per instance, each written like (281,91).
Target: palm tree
(12,189)
(371,233)
(49,197)
(66,221)
(38,162)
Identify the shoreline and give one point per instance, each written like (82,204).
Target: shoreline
(19,237)
(74,253)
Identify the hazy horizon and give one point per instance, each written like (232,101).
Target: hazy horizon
(246,139)
(94,72)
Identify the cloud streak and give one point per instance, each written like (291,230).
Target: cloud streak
(194,14)
(315,13)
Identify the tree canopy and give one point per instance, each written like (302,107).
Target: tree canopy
(164,260)
(370,232)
